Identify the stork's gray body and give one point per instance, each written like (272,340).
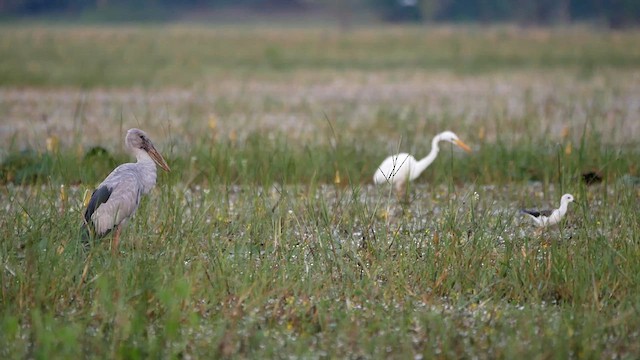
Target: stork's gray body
(118,196)
(125,186)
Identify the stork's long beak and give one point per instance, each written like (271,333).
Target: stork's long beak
(462,145)
(155,155)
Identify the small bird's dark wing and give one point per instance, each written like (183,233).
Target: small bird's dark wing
(546,213)
(533,213)
(99,197)
(537,213)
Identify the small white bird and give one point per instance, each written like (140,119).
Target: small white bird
(400,168)
(118,196)
(544,218)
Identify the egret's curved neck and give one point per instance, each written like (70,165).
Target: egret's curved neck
(424,163)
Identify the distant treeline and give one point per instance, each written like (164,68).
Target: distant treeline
(613,13)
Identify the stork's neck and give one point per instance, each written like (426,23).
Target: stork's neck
(148,172)
(423,163)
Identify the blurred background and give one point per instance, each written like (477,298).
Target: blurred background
(609,13)
(215,81)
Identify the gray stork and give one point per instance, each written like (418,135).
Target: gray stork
(118,196)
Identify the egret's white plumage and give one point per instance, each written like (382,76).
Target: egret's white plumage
(544,218)
(118,196)
(400,168)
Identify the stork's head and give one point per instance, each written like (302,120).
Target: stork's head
(566,198)
(451,137)
(138,139)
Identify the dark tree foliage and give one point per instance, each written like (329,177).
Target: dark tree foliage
(614,13)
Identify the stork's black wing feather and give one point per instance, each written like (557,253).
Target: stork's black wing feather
(99,197)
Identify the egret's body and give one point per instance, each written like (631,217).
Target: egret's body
(400,168)
(544,218)
(118,196)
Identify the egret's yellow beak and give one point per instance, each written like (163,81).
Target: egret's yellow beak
(462,145)
(155,155)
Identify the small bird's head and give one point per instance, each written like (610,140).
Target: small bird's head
(566,198)
(138,139)
(451,137)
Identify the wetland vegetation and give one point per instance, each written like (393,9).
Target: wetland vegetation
(268,239)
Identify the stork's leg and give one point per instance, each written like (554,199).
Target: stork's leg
(116,240)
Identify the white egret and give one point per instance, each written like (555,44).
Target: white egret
(118,196)
(544,218)
(400,168)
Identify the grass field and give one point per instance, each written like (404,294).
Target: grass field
(268,239)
